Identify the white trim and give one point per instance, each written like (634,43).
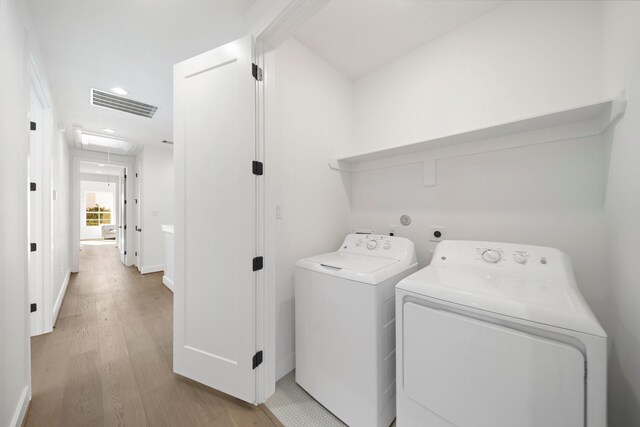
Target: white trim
(273,31)
(61,295)
(167,282)
(282,20)
(95,156)
(21,410)
(151,269)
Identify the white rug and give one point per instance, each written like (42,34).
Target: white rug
(294,407)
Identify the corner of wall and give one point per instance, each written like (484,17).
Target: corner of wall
(19,416)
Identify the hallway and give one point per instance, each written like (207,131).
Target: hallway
(109,359)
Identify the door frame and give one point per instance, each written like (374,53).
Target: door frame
(41,321)
(122,214)
(78,156)
(138,241)
(269,34)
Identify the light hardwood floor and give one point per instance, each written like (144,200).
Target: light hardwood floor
(108,361)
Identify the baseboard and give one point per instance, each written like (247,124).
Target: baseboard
(21,410)
(151,269)
(167,282)
(286,365)
(61,295)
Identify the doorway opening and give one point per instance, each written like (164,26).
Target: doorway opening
(101,195)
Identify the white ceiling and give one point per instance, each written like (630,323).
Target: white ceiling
(99,169)
(131,44)
(135,43)
(358,36)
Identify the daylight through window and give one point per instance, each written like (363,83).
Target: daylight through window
(99,208)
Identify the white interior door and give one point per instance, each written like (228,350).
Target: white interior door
(36,221)
(138,219)
(122,215)
(215,227)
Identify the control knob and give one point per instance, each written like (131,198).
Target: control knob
(519,258)
(371,244)
(491,256)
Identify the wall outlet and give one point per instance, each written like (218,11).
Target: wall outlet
(437,233)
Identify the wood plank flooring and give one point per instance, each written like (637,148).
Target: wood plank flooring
(109,360)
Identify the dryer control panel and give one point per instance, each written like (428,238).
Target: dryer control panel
(379,245)
(508,258)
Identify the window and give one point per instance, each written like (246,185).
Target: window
(99,206)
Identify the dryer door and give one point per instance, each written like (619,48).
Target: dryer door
(472,373)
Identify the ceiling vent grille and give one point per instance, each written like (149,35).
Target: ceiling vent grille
(114,102)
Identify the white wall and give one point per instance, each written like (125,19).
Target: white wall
(522,58)
(622,70)
(313,109)
(156,204)
(90,185)
(61,219)
(499,67)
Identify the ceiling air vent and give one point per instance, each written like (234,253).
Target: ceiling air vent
(120,103)
(166,141)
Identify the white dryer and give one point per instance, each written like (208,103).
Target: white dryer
(345,326)
(498,335)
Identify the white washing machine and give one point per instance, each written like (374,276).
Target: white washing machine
(345,326)
(497,334)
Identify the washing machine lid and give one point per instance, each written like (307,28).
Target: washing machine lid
(540,290)
(356,267)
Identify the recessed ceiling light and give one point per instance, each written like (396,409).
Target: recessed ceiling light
(100,164)
(98,172)
(107,130)
(119,91)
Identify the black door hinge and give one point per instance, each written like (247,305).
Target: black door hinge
(32,186)
(125,227)
(257,359)
(136,253)
(258,262)
(257,168)
(125,177)
(34,247)
(34,307)
(256,72)
(136,174)
(32,125)
(125,202)
(138,229)
(136,201)
(125,252)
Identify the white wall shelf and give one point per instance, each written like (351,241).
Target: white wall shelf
(579,122)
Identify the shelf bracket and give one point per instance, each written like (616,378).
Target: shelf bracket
(618,107)
(429,172)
